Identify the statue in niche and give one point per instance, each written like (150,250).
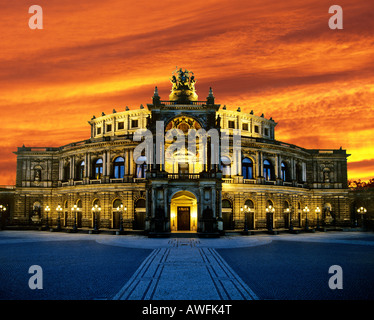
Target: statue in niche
(37,175)
(326,176)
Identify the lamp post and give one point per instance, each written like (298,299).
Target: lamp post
(288,212)
(58,209)
(362,211)
(74,209)
(120,210)
(2,209)
(270,211)
(95,210)
(306,210)
(291,223)
(245,211)
(317,210)
(47,209)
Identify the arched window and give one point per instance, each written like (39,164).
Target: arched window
(80,170)
(79,204)
(140,203)
(98,168)
(249,203)
(268,170)
(247,168)
(226,203)
(226,166)
(141,166)
(286,205)
(284,172)
(119,167)
(96,202)
(117,204)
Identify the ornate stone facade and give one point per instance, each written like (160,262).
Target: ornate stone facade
(176,196)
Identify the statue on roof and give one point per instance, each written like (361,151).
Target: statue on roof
(183,86)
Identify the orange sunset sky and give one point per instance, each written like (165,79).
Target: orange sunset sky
(274,57)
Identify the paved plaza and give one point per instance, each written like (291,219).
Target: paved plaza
(132,267)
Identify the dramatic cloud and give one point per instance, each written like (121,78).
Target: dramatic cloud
(273,57)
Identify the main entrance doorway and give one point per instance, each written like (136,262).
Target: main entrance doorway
(183,218)
(183,212)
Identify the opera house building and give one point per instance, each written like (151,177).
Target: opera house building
(135,173)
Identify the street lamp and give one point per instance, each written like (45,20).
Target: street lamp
(74,209)
(289,214)
(362,211)
(270,211)
(58,209)
(245,210)
(95,210)
(120,210)
(2,209)
(306,210)
(317,210)
(47,209)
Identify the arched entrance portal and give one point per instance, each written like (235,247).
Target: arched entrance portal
(183,212)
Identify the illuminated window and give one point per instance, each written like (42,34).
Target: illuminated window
(268,170)
(247,168)
(284,172)
(141,166)
(119,167)
(80,170)
(98,168)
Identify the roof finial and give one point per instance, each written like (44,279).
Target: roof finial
(211,92)
(210,98)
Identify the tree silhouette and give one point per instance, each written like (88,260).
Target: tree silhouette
(359,185)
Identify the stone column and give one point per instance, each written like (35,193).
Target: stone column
(277,167)
(127,161)
(293,176)
(61,170)
(108,163)
(131,160)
